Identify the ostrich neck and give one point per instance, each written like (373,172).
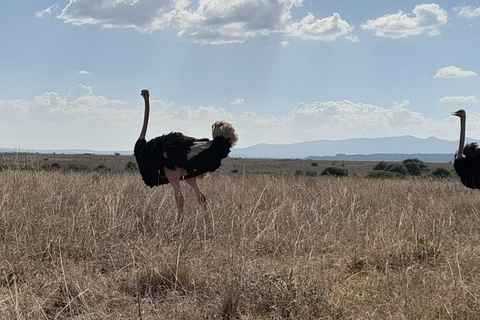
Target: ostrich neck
(462,138)
(145,119)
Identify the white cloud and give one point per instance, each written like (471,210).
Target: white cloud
(425,18)
(46,12)
(454,72)
(235,21)
(284,44)
(468,12)
(459,99)
(142,15)
(86,120)
(238,101)
(347,115)
(208,21)
(326,29)
(79,91)
(83,72)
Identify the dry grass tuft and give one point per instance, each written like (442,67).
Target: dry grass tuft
(104,246)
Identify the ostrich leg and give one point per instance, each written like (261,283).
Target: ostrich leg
(200,196)
(174,177)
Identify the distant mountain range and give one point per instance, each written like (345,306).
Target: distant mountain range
(359,149)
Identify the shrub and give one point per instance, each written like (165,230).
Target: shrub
(441,173)
(415,166)
(380,166)
(335,171)
(314,164)
(298,173)
(102,168)
(131,166)
(398,168)
(53,166)
(310,173)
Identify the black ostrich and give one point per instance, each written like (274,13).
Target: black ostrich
(467,158)
(174,156)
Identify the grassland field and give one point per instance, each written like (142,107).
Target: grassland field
(93,242)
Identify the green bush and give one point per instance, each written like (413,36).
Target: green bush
(102,168)
(412,166)
(380,166)
(131,166)
(415,167)
(335,171)
(420,163)
(298,173)
(397,168)
(441,173)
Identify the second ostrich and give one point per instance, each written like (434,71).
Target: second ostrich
(467,158)
(174,156)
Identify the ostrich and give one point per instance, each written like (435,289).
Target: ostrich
(467,158)
(174,156)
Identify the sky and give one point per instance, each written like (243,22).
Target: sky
(281,71)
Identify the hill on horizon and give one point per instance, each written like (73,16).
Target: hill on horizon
(387,148)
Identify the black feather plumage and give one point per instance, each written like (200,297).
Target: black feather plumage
(172,151)
(468,167)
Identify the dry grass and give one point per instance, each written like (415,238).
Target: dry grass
(104,246)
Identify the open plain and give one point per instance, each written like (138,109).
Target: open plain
(93,242)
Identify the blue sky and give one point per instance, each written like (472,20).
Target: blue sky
(281,71)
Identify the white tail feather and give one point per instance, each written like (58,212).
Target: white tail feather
(226,130)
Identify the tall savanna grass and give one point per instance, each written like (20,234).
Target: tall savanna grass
(105,246)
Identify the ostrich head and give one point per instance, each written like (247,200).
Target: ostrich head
(145,93)
(460,113)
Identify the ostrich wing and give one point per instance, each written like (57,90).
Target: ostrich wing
(198,146)
(170,150)
(471,151)
(468,167)
(210,158)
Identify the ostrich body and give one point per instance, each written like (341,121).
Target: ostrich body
(467,158)
(174,156)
